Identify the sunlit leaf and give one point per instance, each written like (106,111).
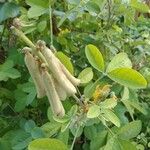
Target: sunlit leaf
(128,77)
(94,57)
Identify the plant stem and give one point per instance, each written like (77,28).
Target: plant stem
(24,38)
(51,24)
(75,138)
(78,100)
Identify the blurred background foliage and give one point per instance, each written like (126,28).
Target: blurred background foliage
(112,25)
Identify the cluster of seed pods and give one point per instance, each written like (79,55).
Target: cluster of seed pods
(51,78)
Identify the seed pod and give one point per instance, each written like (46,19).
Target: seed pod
(57,71)
(52,95)
(72,79)
(33,68)
(60,91)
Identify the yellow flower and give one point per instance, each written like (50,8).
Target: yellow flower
(101,92)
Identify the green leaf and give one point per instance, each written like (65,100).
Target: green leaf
(37,132)
(92,7)
(128,77)
(90,132)
(65,61)
(29,125)
(4,144)
(7,71)
(42,26)
(38,8)
(73,2)
(140,6)
(130,130)
(113,144)
(109,115)
(21,99)
(129,108)
(64,136)
(93,112)
(36,11)
(98,141)
(118,144)
(86,75)
(51,128)
(8,10)
(20,140)
(108,103)
(121,60)
(94,57)
(127,145)
(137,106)
(47,144)
(39,3)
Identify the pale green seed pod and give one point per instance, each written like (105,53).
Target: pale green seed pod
(57,72)
(61,92)
(72,79)
(52,95)
(34,70)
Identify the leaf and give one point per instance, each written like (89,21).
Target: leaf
(139,6)
(92,7)
(65,60)
(137,106)
(128,77)
(108,103)
(121,60)
(117,144)
(38,8)
(64,136)
(110,116)
(37,132)
(8,10)
(98,141)
(36,11)
(42,26)
(21,99)
(7,71)
(125,95)
(120,111)
(20,140)
(39,3)
(93,112)
(29,125)
(86,75)
(51,128)
(112,144)
(4,144)
(127,145)
(129,108)
(94,57)
(130,130)
(73,2)
(47,144)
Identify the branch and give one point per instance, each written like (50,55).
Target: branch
(24,38)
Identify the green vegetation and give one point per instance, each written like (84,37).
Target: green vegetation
(83,81)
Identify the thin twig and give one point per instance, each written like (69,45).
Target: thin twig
(51,24)
(75,138)
(77,100)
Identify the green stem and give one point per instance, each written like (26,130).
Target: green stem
(24,38)
(51,24)
(75,138)
(77,99)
